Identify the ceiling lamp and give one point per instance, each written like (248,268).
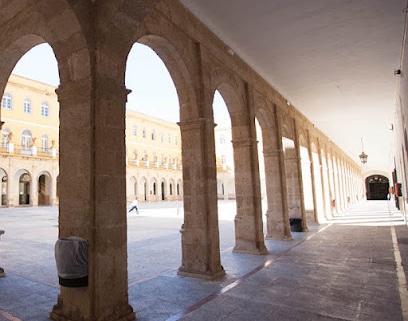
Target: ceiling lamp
(363,156)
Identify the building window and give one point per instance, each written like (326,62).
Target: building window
(5,137)
(153,135)
(144,133)
(44,109)
(44,143)
(176,140)
(134,130)
(222,139)
(27,106)
(7,102)
(161,137)
(26,139)
(169,138)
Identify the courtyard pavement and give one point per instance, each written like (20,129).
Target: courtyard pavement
(350,268)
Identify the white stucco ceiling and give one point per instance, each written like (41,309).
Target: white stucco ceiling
(333,60)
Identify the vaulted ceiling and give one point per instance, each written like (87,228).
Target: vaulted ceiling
(334,61)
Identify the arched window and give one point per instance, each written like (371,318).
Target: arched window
(27,106)
(26,139)
(5,137)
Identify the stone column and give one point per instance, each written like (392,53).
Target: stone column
(12,187)
(339,207)
(34,188)
(199,233)
(92,189)
(334,182)
(312,174)
(249,237)
(300,179)
(53,189)
(277,217)
(325,182)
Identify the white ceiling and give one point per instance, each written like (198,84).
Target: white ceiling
(334,60)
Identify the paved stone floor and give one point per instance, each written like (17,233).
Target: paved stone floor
(347,269)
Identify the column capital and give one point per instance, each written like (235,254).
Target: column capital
(244,142)
(272,152)
(192,124)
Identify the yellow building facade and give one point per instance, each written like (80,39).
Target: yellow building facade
(29,162)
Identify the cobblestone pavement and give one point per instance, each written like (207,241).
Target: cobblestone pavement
(348,269)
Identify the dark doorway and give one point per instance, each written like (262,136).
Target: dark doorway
(377,187)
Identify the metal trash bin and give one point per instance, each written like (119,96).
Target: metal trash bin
(296,225)
(71,255)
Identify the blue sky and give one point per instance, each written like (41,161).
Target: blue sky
(153,91)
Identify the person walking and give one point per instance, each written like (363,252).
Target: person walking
(134,206)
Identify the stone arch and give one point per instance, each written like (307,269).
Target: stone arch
(153,188)
(24,186)
(73,60)
(287,128)
(4,187)
(269,118)
(44,188)
(232,89)
(144,195)
(172,189)
(132,190)
(377,187)
(163,189)
(179,189)
(178,71)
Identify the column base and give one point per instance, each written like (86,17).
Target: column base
(209,276)
(254,251)
(58,315)
(279,237)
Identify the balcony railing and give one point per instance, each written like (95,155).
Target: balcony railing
(10,148)
(153,165)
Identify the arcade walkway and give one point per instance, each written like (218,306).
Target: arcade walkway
(348,269)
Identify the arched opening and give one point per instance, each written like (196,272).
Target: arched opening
(163,191)
(36,75)
(292,178)
(145,193)
(24,185)
(223,150)
(4,187)
(151,117)
(377,187)
(44,189)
